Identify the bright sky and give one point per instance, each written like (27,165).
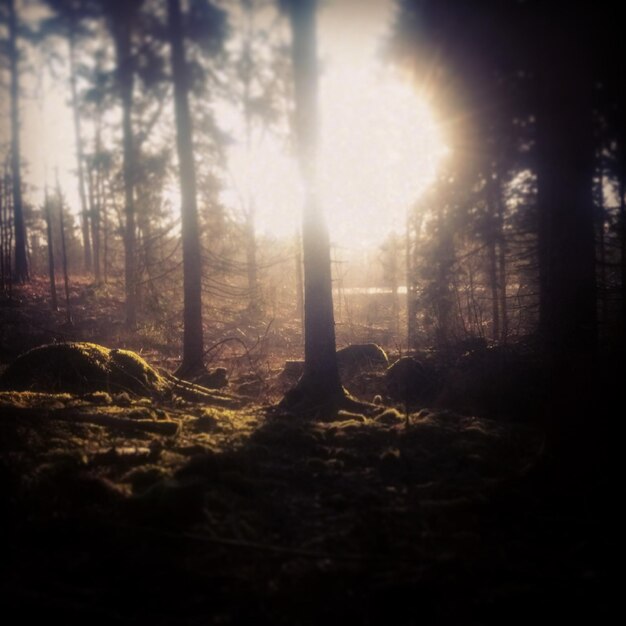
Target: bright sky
(379,142)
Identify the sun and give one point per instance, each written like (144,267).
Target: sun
(379,147)
(379,151)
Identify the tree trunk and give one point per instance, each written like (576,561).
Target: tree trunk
(94,210)
(565,195)
(122,32)
(66,278)
(320,381)
(504,331)
(254,305)
(250,208)
(299,281)
(622,215)
(492,255)
(3,270)
(21,263)
(601,218)
(51,272)
(411,331)
(193,350)
(79,150)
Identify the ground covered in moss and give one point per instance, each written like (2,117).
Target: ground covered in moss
(123,511)
(122,508)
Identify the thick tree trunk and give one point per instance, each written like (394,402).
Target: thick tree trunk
(79,151)
(122,31)
(320,381)
(21,263)
(193,350)
(565,143)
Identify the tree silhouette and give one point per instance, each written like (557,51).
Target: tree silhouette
(320,384)
(192,261)
(67,22)
(20,267)
(121,16)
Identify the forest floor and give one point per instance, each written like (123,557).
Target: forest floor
(127,510)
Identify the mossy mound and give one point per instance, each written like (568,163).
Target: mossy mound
(361,357)
(79,367)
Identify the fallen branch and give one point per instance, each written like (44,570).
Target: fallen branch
(74,415)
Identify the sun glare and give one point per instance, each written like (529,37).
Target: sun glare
(379,141)
(379,144)
(380,148)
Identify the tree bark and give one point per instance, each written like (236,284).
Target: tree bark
(492,254)
(504,331)
(622,214)
(71,40)
(66,278)
(565,196)
(601,218)
(21,263)
(320,381)
(299,281)
(193,350)
(51,272)
(122,36)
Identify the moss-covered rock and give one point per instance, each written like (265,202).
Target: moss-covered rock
(358,357)
(80,367)
(410,380)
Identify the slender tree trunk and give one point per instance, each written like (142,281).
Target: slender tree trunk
(410,289)
(105,231)
(393,275)
(122,28)
(51,272)
(299,281)
(251,261)
(79,150)
(443,298)
(94,210)
(320,380)
(7,230)
(66,278)
(3,274)
(492,256)
(250,208)
(601,216)
(502,261)
(193,347)
(21,263)
(622,214)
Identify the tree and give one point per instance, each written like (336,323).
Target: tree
(51,271)
(20,268)
(121,16)
(557,61)
(320,384)
(568,265)
(67,22)
(192,261)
